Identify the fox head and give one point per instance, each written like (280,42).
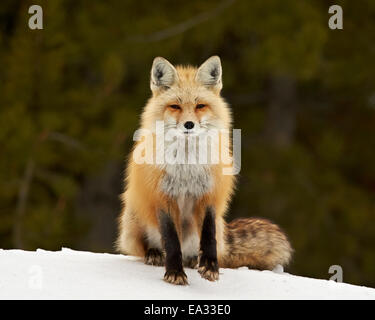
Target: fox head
(187,98)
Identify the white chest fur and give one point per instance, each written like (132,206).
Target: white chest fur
(187,180)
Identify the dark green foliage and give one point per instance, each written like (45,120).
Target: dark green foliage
(303,95)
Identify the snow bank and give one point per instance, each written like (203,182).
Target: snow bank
(69,274)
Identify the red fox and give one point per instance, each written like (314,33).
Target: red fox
(173,214)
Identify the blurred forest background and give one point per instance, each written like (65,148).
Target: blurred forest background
(303,95)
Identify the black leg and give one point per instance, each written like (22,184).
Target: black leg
(173,261)
(208,265)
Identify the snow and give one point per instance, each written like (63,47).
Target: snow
(69,274)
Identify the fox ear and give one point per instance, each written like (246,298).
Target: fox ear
(209,73)
(163,74)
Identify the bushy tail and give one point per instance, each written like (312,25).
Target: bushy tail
(255,243)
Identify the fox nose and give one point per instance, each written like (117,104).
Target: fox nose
(189,125)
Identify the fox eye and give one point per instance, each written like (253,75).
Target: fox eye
(200,106)
(175,106)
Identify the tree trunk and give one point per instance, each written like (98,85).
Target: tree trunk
(21,204)
(281,113)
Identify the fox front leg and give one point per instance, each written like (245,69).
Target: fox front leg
(208,264)
(174,272)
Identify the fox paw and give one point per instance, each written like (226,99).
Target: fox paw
(176,277)
(154,257)
(191,262)
(208,269)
